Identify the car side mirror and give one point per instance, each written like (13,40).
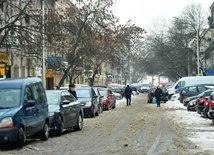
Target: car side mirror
(65,102)
(30,103)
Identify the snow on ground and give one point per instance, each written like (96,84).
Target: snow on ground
(200,129)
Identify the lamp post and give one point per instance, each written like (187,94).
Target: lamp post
(43,44)
(197,33)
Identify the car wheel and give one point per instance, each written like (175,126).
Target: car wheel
(21,138)
(45,132)
(79,123)
(59,127)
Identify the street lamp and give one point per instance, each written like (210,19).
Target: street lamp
(43,43)
(197,33)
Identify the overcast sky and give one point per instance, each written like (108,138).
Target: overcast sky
(143,12)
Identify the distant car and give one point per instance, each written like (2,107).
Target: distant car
(211,107)
(188,99)
(65,111)
(151,95)
(145,87)
(108,99)
(202,100)
(119,90)
(191,105)
(76,86)
(89,100)
(193,90)
(96,90)
(118,96)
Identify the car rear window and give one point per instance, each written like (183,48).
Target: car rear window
(83,93)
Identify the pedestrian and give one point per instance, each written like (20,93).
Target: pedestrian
(128,93)
(158,94)
(72,91)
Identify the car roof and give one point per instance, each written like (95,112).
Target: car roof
(57,90)
(17,82)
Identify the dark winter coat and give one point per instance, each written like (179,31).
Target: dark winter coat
(73,93)
(158,92)
(128,91)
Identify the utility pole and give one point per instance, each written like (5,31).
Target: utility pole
(197,33)
(43,44)
(21,56)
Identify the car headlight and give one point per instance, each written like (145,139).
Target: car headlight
(187,100)
(6,122)
(88,104)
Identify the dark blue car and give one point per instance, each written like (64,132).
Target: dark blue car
(23,110)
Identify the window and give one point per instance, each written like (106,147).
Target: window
(28,93)
(193,89)
(201,89)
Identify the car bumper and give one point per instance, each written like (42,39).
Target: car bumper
(87,111)
(8,134)
(211,114)
(164,98)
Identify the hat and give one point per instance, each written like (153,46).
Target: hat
(72,85)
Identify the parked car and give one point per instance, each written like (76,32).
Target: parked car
(65,111)
(119,90)
(190,81)
(99,98)
(151,95)
(191,105)
(189,99)
(193,90)
(89,101)
(145,87)
(108,99)
(202,100)
(76,86)
(118,96)
(23,110)
(211,107)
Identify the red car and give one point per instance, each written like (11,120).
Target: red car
(202,102)
(108,99)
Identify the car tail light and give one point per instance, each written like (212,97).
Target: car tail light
(201,101)
(212,105)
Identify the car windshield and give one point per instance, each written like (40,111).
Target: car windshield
(52,98)
(145,85)
(103,92)
(9,98)
(83,93)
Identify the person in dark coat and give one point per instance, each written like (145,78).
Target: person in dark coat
(128,93)
(158,94)
(72,91)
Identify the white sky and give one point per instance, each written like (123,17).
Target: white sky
(143,12)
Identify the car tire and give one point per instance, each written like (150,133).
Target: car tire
(45,132)
(79,125)
(21,138)
(59,127)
